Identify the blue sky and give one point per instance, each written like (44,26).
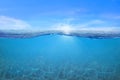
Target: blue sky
(45,13)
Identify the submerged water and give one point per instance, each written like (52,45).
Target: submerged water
(57,57)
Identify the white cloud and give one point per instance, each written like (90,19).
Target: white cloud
(12,23)
(87,24)
(111,16)
(9,23)
(116,17)
(65,12)
(92,23)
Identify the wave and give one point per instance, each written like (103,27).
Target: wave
(88,33)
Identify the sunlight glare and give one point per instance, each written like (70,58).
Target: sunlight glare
(65,28)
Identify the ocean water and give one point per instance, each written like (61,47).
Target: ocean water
(59,57)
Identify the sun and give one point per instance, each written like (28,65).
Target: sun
(66,29)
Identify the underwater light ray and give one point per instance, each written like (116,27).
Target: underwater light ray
(83,32)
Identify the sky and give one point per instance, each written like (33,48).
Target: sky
(24,14)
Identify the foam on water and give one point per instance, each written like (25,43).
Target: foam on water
(83,32)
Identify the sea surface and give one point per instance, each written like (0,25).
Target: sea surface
(59,57)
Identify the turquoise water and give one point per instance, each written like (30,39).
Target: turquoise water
(57,57)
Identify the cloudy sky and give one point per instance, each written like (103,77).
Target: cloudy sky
(23,14)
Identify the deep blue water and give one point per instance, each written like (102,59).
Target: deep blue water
(57,57)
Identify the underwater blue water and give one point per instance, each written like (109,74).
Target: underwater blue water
(59,57)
